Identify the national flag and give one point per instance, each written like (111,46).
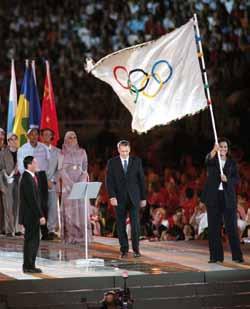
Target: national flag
(12,106)
(158,81)
(49,114)
(21,124)
(35,108)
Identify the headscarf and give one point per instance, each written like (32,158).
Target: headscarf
(66,147)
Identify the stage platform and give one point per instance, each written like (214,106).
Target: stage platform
(59,260)
(168,275)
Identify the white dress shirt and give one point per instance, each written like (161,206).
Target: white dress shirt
(122,159)
(40,153)
(222,165)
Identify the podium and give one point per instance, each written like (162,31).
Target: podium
(86,190)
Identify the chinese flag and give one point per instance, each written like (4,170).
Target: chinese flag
(49,115)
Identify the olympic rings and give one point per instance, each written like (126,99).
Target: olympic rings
(145,80)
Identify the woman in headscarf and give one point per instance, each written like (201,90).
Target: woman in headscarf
(72,166)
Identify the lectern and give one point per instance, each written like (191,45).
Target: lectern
(85,190)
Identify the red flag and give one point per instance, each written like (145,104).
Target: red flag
(49,115)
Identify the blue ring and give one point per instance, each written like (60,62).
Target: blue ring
(170,69)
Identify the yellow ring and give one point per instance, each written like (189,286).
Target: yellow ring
(151,96)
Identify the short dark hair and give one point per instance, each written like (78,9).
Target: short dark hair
(50,130)
(27,161)
(189,193)
(178,209)
(47,129)
(123,142)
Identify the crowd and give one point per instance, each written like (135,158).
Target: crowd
(68,32)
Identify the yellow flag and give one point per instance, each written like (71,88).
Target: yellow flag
(21,124)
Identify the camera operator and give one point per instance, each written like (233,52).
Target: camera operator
(117,300)
(111,301)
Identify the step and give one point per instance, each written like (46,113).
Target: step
(65,284)
(52,298)
(62,306)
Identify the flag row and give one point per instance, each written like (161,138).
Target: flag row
(26,113)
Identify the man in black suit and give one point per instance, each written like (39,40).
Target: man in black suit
(219,196)
(126,189)
(30,216)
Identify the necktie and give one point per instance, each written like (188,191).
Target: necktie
(35,179)
(125,166)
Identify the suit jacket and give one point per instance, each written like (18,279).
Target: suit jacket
(30,204)
(210,192)
(121,185)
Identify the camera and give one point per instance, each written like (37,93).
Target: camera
(118,298)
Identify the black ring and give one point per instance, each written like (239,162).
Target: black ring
(143,72)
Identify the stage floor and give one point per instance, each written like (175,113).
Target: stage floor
(58,260)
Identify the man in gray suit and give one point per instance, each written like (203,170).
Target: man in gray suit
(9,182)
(47,136)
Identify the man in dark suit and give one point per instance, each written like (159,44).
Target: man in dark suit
(30,216)
(219,196)
(126,189)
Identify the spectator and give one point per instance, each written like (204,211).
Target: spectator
(155,229)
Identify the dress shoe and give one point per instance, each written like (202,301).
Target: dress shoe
(29,270)
(124,255)
(53,236)
(9,235)
(45,238)
(18,234)
(241,260)
(32,270)
(137,254)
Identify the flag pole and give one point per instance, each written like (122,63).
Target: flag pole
(206,86)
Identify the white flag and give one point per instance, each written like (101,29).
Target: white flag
(12,107)
(158,81)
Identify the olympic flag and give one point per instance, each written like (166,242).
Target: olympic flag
(158,81)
